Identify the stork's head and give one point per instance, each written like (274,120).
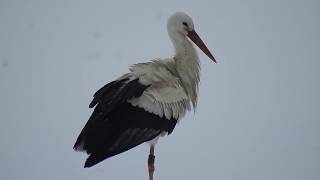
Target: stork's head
(182,24)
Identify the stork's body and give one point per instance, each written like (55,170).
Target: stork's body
(146,102)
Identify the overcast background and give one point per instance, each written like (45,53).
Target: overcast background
(258,115)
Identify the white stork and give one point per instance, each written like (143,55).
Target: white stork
(146,102)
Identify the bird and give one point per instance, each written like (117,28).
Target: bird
(148,101)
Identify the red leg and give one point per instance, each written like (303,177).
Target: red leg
(151,162)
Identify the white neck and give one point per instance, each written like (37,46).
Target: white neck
(187,64)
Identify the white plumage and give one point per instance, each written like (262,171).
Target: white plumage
(166,95)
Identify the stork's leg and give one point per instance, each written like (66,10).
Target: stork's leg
(151,162)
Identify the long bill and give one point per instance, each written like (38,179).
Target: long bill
(197,40)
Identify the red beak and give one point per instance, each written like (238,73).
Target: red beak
(197,40)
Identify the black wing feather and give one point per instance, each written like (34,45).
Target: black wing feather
(112,86)
(115,125)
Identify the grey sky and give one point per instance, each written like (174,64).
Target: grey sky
(258,115)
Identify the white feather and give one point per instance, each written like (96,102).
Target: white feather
(165,96)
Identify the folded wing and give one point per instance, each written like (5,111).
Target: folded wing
(116,125)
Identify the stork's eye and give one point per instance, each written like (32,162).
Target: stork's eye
(185,24)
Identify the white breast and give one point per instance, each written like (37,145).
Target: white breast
(165,96)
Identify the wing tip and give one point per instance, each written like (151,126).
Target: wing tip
(94,159)
(87,165)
